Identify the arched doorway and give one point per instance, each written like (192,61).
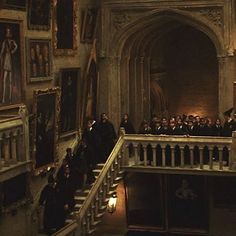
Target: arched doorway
(184,65)
(170,67)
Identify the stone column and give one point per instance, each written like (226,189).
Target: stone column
(124,84)
(227,75)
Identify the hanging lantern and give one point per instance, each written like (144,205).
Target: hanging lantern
(111,207)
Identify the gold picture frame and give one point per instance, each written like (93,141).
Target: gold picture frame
(39,59)
(46,111)
(64,29)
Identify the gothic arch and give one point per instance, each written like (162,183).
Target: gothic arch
(151,20)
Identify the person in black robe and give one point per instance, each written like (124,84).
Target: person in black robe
(48,198)
(164,126)
(228,124)
(217,128)
(129,129)
(83,165)
(93,141)
(66,187)
(191,128)
(108,137)
(127,125)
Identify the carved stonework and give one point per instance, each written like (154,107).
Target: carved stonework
(120,20)
(215,15)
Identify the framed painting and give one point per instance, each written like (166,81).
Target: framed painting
(90,87)
(39,65)
(11,62)
(46,113)
(14,4)
(89,25)
(64,27)
(144,205)
(188,200)
(69,83)
(39,14)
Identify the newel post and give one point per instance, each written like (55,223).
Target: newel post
(23,113)
(232,160)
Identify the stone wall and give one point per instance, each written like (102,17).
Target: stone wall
(26,219)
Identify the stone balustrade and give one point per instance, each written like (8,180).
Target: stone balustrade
(14,141)
(203,153)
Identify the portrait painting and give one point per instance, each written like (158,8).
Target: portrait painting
(69,83)
(89,25)
(64,27)
(187,203)
(90,86)
(39,60)
(145,206)
(39,14)
(11,63)
(14,4)
(46,112)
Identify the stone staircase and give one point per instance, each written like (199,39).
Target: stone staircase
(81,195)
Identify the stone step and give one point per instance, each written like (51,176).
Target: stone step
(96,172)
(100,166)
(68,221)
(79,199)
(78,206)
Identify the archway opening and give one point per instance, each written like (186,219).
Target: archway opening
(184,65)
(169,68)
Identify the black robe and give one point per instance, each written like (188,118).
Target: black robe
(48,198)
(108,136)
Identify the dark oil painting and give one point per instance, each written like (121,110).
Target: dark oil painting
(187,203)
(45,127)
(39,14)
(69,81)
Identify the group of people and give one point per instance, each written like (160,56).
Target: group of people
(76,172)
(184,125)
(58,195)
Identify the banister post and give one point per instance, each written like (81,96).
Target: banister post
(122,131)
(23,113)
(232,156)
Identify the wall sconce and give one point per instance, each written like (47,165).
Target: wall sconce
(111,207)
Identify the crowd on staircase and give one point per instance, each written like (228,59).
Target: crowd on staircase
(76,172)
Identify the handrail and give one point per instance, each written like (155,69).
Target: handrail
(101,176)
(178,139)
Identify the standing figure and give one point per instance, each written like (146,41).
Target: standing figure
(107,135)
(127,125)
(8,48)
(48,198)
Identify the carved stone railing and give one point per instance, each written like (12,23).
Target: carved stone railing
(201,154)
(14,143)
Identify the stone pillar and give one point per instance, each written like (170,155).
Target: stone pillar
(226,78)
(25,119)
(232,162)
(124,85)
(133,91)
(114,92)
(146,95)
